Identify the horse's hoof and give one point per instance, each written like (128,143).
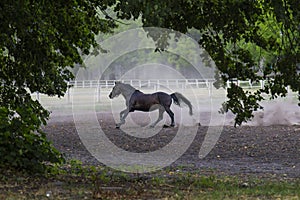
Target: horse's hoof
(117,126)
(166,126)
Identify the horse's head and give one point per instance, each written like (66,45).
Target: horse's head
(116,91)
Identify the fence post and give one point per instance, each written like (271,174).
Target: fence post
(288,89)
(98,94)
(210,86)
(250,83)
(262,84)
(37,96)
(68,92)
(228,84)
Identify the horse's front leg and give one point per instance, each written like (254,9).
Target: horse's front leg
(123,115)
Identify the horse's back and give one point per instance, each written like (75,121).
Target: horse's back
(164,98)
(146,102)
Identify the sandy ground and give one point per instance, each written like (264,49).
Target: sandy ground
(268,146)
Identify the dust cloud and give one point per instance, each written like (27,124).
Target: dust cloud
(278,112)
(281,111)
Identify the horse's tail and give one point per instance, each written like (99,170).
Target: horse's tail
(178,98)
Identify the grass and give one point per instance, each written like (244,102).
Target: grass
(74,181)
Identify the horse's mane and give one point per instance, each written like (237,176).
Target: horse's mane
(128,86)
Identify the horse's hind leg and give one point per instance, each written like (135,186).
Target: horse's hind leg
(171,114)
(160,117)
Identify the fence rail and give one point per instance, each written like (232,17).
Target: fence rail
(177,83)
(143,83)
(155,84)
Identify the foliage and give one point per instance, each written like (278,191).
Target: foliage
(39,42)
(238,35)
(20,146)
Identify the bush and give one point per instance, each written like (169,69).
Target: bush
(22,143)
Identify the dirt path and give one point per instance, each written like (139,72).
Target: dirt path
(248,150)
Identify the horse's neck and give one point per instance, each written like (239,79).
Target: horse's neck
(128,92)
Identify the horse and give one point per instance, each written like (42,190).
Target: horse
(137,100)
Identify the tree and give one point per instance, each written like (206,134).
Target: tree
(39,42)
(272,27)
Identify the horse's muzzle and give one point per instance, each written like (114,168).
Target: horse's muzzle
(110,96)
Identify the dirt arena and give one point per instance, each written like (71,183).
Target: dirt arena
(267,150)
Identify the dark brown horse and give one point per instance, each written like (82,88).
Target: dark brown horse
(137,100)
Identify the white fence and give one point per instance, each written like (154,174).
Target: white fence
(169,83)
(154,84)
